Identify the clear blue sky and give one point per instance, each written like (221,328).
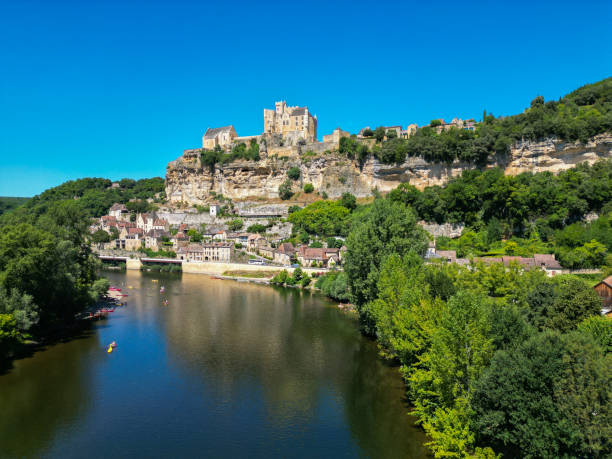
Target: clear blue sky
(120,88)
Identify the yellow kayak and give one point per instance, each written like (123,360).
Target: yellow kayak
(110,349)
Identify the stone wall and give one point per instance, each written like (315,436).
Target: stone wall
(188,181)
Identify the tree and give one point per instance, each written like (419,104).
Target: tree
(257,228)
(294,173)
(600,329)
(235,224)
(349,201)
(284,190)
(388,227)
(194,236)
(323,218)
(308,188)
(379,133)
(100,237)
(514,405)
(368,132)
(549,397)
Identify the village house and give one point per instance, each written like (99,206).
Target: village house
(161,224)
(468,125)
(284,253)
(180,239)
(266,252)
(238,238)
(220,235)
(255,241)
(205,252)
(154,239)
(120,212)
(604,290)
(409,131)
(321,257)
(108,222)
(221,136)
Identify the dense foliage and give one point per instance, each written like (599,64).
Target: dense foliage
(493,357)
(210,158)
(47,273)
(325,218)
(7,203)
(93,196)
(577,116)
(531,213)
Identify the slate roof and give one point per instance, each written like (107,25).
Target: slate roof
(211,133)
(300,111)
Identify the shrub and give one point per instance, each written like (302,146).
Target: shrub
(284,190)
(294,173)
(308,188)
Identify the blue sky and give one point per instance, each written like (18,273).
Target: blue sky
(120,88)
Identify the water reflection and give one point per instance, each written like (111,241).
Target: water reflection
(301,354)
(226,370)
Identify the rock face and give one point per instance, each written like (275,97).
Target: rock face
(187,180)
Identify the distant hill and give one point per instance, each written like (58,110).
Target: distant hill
(94,196)
(8,202)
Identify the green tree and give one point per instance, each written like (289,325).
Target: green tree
(600,329)
(387,228)
(284,190)
(100,236)
(235,224)
(294,173)
(349,201)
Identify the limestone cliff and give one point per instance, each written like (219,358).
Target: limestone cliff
(188,181)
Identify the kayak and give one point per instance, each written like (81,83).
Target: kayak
(110,349)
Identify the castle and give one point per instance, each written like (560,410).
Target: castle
(294,124)
(291,121)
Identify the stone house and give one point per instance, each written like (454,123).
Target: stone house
(322,257)
(335,136)
(409,131)
(161,224)
(255,241)
(221,136)
(238,238)
(284,253)
(205,252)
(220,235)
(266,251)
(119,211)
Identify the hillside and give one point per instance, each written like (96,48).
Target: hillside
(547,136)
(93,195)
(8,202)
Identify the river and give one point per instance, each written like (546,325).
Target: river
(227,369)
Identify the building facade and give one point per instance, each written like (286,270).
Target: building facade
(286,120)
(222,137)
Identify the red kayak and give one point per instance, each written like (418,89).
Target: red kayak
(114,289)
(107,310)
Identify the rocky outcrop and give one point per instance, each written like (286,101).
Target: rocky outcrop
(187,180)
